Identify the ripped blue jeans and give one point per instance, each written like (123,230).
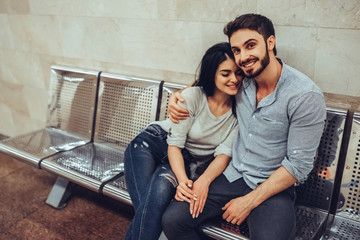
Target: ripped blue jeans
(150,181)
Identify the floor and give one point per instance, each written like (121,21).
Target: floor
(25,215)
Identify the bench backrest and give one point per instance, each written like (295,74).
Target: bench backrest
(72,100)
(350,183)
(126,105)
(167,90)
(317,190)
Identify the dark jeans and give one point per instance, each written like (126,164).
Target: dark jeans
(150,181)
(273,219)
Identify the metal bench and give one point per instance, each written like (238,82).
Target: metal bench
(344,223)
(313,196)
(69,118)
(125,106)
(117,189)
(93,116)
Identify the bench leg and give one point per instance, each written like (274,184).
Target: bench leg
(60,193)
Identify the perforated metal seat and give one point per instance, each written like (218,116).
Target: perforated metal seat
(117,189)
(125,107)
(69,121)
(346,222)
(313,196)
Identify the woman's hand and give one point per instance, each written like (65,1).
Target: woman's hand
(175,112)
(184,192)
(201,189)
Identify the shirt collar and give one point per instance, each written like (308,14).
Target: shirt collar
(249,85)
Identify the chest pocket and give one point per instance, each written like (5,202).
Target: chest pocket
(274,128)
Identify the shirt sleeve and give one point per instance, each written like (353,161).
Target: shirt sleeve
(226,146)
(178,132)
(307,118)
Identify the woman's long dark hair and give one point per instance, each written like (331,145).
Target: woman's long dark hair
(209,64)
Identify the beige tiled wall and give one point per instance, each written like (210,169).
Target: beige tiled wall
(159,39)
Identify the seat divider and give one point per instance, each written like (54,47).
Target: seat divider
(341,162)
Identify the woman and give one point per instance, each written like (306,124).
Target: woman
(180,160)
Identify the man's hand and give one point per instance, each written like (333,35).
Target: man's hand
(175,112)
(237,210)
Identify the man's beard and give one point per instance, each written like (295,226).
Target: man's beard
(263,64)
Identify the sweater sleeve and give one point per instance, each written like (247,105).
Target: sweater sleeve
(178,132)
(227,145)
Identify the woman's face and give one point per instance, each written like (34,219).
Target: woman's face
(228,77)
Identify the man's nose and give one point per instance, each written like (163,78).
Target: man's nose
(242,57)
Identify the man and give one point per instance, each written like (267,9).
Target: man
(281,115)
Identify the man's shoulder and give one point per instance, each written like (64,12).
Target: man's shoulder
(297,81)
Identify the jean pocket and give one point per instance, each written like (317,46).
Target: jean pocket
(156,131)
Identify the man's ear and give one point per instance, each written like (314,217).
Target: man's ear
(271,41)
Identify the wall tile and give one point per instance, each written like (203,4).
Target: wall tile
(100,8)
(15,6)
(20,34)
(337,61)
(11,94)
(212,33)
(204,10)
(7,123)
(5,33)
(166,45)
(322,13)
(23,69)
(90,38)
(36,102)
(296,46)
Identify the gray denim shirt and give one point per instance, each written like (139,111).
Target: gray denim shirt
(284,129)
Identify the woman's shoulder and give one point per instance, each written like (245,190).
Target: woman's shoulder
(196,90)
(193,93)
(194,98)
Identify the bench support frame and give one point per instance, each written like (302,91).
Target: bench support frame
(60,193)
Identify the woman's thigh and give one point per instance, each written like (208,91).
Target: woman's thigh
(141,158)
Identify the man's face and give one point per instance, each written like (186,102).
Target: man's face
(250,51)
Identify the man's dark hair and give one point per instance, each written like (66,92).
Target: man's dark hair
(251,21)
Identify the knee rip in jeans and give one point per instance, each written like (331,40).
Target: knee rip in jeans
(170,177)
(142,145)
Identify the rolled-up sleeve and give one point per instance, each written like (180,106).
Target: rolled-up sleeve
(307,118)
(178,132)
(227,145)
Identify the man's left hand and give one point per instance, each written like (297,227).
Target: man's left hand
(237,210)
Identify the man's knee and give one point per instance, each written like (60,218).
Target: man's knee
(175,218)
(273,219)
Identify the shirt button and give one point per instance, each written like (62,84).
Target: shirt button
(253,116)
(250,135)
